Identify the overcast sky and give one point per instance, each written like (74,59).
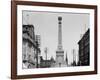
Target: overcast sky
(46,25)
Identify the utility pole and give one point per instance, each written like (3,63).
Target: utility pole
(37,55)
(46,51)
(74,58)
(38,49)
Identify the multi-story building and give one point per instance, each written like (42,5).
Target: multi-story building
(29,47)
(47,63)
(84,49)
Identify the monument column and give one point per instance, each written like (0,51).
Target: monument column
(59,32)
(59,52)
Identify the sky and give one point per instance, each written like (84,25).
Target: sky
(46,25)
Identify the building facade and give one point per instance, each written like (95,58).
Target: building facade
(29,47)
(84,49)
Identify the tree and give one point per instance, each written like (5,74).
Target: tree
(66,59)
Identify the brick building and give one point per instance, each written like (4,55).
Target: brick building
(84,49)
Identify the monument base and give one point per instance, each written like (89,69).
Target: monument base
(59,58)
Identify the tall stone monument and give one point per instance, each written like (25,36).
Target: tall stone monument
(60,51)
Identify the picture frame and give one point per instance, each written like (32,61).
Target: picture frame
(18,9)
